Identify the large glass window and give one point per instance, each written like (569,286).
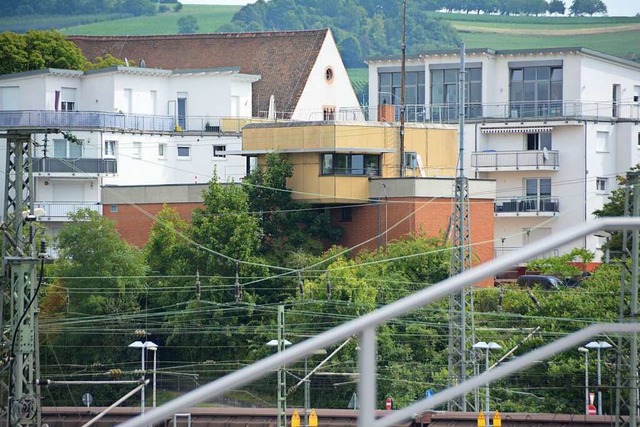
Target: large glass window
(63,149)
(444,93)
(351,164)
(390,87)
(535,91)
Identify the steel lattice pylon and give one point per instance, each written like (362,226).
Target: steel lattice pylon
(461,336)
(461,327)
(20,393)
(627,355)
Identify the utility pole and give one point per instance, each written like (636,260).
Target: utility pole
(627,354)
(461,327)
(403,75)
(19,309)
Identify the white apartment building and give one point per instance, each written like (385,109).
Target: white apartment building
(137,126)
(553,127)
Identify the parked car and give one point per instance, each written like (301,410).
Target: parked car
(550,283)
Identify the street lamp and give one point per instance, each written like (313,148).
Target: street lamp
(599,345)
(154,347)
(487,347)
(280,344)
(144,346)
(586,377)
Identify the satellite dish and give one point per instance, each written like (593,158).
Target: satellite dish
(545,153)
(126,62)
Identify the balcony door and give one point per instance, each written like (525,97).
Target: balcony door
(537,191)
(182,109)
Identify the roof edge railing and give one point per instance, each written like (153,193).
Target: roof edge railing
(364,328)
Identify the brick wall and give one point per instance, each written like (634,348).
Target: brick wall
(134,222)
(401,216)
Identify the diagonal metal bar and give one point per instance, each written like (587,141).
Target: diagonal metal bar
(570,341)
(298,351)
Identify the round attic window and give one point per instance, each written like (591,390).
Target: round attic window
(328,74)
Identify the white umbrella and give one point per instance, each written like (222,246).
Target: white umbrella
(271,114)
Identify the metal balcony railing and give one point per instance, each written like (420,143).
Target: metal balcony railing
(59,211)
(514,159)
(97,120)
(519,204)
(82,165)
(540,110)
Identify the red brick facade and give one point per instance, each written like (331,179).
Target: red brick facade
(134,222)
(415,215)
(400,216)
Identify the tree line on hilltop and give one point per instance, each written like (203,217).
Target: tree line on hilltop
(370,28)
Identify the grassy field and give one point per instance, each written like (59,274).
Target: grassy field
(209,19)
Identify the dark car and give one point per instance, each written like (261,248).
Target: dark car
(550,283)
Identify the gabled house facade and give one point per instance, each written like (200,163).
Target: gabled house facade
(552,127)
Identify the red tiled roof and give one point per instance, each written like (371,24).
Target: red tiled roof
(283,59)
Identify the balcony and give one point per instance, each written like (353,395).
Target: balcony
(119,122)
(516,111)
(526,206)
(85,167)
(59,211)
(491,161)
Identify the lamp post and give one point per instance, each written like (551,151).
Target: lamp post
(154,348)
(487,347)
(144,346)
(599,345)
(280,344)
(586,377)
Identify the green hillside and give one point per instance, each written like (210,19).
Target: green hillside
(209,19)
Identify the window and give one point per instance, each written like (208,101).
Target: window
(538,193)
(161,150)
(184,151)
(539,141)
(411,160)
(110,148)
(67,106)
(444,92)
(219,150)
(601,185)
(63,149)
(329,113)
(137,149)
(252,164)
(351,164)
(114,208)
(67,99)
(328,74)
(602,142)
(535,91)
(346,214)
(390,86)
